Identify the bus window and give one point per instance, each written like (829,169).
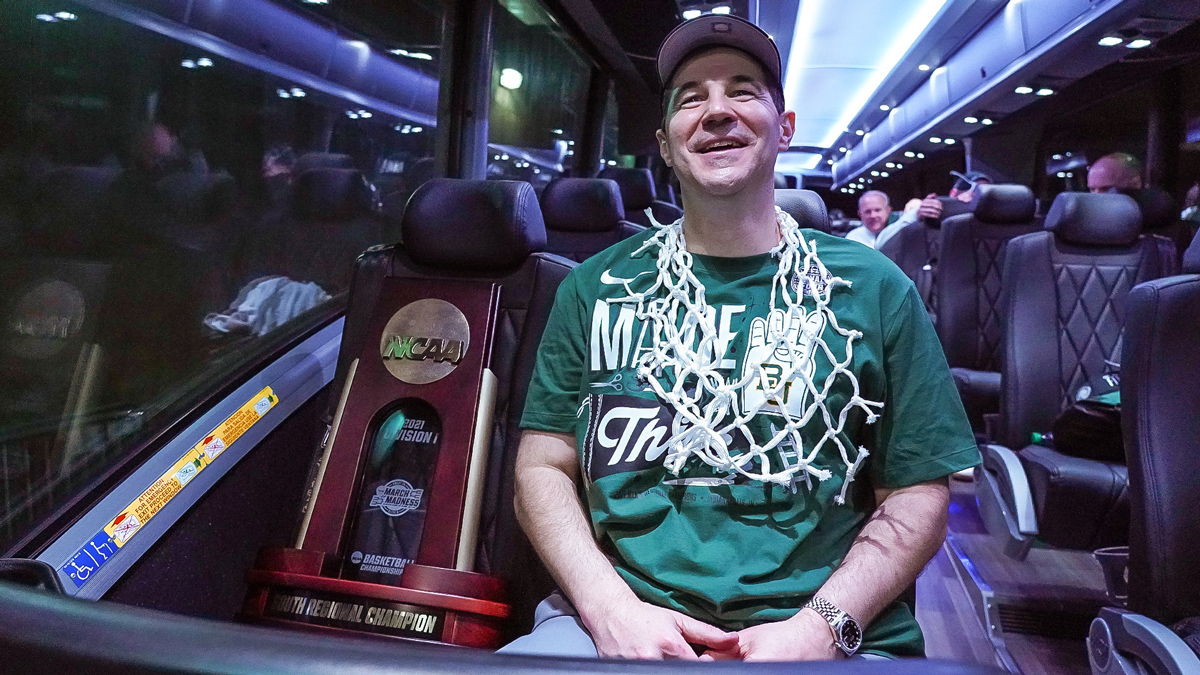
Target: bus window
(168,212)
(539,94)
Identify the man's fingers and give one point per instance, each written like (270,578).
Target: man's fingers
(931,195)
(700,633)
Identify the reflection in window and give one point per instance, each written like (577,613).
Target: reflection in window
(163,211)
(539,94)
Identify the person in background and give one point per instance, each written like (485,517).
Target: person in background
(1114,173)
(874,210)
(964,188)
(1191,204)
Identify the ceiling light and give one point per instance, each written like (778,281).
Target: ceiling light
(971,120)
(298,92)
(987,122)
(364,114)
(689,14)
(417,130)
(422,56)
(924,67)
(846,79)
(884,174)
(1068,154)
(899,166)
(1070,174)
(829,161)
(934,139)
(920,155)
(48,18)
(721,9)
(1044,91)
(1136,44)
(890,165)
(283,93)
(1056,157)
(885,107)
(842,149)
(204,62)
(858,132)
(870,180)
(910,154)
(1023,90)
(351,114)
(188,63)
(496,157)
(511,79)
(1110,41)
(949,141)
(65,16)
(1062,174)
(316,2)
(874,173)
(558,131)
(504,157)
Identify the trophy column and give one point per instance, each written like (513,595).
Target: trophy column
(387,541)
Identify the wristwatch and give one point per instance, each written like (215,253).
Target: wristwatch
(847,634)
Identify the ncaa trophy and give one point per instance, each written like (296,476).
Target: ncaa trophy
(389,530)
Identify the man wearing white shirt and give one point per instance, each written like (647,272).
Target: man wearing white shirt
(874,210)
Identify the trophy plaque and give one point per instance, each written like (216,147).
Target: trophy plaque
(387,541)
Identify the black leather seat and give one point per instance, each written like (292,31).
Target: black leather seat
(805,206)
(637,195)
(584,216)
(1160,215)
(330,221)
(1066,290)
(485,231)
(970,279)
(916,249)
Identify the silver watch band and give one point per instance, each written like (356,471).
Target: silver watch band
(836,618)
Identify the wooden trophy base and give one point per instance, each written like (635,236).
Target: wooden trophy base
(295,588)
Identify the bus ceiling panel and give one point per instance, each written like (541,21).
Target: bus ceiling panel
(106,541)
(300,48)
(947,93)
(1042,18)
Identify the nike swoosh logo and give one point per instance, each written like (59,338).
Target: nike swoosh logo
(704,482)
(606,277)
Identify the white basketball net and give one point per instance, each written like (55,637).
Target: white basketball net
(712,408)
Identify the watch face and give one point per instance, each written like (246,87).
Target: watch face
(851,634)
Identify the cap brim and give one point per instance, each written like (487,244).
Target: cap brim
(717,30)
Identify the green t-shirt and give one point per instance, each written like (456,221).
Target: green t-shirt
(740,552)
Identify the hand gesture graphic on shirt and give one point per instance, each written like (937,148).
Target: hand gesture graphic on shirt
(797,348)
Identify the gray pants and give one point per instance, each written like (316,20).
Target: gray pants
(558,631)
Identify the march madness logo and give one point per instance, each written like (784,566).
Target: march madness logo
(397,498)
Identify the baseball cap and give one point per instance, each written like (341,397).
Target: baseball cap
(966,181)
(717,30)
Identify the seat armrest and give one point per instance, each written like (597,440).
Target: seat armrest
(1120,642)
(1005,502)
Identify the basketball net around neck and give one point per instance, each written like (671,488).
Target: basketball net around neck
(713,408)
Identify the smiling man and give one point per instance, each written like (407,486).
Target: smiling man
(738,431)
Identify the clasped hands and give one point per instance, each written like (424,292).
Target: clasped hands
(638,630)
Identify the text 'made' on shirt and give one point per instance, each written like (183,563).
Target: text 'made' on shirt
(720,547)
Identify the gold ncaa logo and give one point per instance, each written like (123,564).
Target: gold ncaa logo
(424,341)
(46,316)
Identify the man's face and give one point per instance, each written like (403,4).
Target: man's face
(967,196)
(874,211)
(722,131)
(1107,175)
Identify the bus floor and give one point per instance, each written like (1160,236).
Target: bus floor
(975,604)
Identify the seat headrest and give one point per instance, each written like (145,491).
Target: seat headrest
(1095,219)
(952,206)
(199,197)
(1159,208)
(331,195)
(582,205)
(322,160)
(637,186)
(473,225)
(1004,205)
(1191,257)
(805,206)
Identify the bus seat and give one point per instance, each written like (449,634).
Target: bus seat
(916,249)
(65,207)
(322,160)
(490,231)
(1160,215)
(584,216)
(806,207)
(969,283)
(637,194)
(1191,258)
(1160,420)
(1064,308)
(330,222)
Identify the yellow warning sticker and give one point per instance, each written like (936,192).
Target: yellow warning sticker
(150,502)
